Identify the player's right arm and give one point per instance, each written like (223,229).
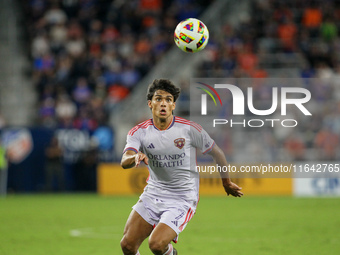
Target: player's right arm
(132,156)
(132,159)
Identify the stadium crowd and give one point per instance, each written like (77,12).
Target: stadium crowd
(285,30)
(88,55)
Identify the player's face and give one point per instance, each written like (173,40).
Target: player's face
(162,104)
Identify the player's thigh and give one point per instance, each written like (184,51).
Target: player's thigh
(162,235)
(136,229)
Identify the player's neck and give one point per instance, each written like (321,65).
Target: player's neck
(162,124)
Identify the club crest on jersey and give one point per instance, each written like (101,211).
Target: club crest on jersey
(179,142)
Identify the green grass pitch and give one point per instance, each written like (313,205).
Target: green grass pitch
(89,224)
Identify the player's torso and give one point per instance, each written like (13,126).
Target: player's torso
(172,159)
(167,149)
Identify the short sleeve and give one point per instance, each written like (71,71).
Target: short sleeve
(133,142)
(201,140)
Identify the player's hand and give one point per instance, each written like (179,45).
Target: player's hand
(232,189)
(141,157)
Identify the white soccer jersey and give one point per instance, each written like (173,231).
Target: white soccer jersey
(172,156)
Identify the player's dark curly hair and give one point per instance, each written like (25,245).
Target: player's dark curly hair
(163,84)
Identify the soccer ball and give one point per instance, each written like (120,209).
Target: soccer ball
(191,35)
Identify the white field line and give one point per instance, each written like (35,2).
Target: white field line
(97,233)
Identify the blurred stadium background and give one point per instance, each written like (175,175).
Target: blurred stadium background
(73,78)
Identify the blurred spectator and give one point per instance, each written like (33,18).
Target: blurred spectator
(40,45)
(151,6)
(47,112)
(54,168)
(328,30)
(116,93)
(85,119)
(65,109)
(327,142)
(44,63)
(247,60)
(312,18)
(55,15)
(81,93)
(295,147)
(282,13)
(287,32)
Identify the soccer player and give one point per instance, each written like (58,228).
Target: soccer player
(167,145)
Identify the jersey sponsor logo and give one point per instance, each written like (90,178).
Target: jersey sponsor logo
(151,146)
(179,142)
(167,164)
(166,157)
(170,160)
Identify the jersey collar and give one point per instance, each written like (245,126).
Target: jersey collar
(168,127)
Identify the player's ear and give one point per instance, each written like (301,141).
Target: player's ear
(174,106)
(149,104)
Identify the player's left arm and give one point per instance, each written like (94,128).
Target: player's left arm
(220,159)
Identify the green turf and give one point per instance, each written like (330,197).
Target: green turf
(90,224)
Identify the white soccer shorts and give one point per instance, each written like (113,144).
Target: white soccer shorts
(174,213)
